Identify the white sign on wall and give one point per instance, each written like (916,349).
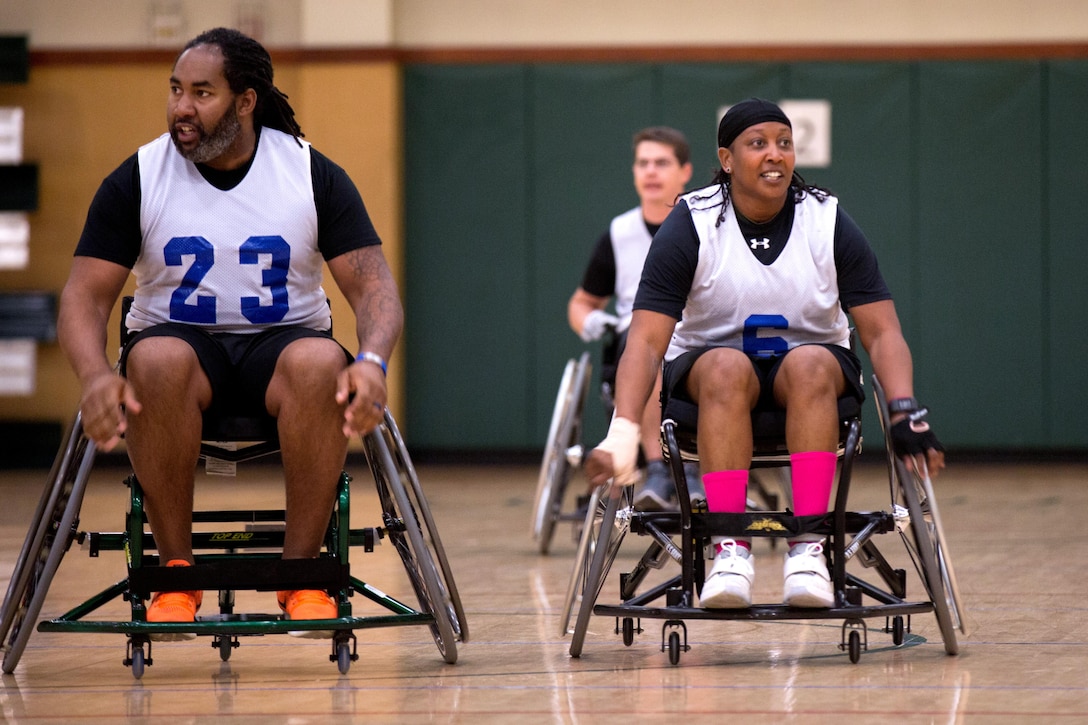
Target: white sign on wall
(811,121)
(18,359)
(11,135)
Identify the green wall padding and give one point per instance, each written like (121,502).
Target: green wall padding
(1065,267)
(965,176)
(468,286)
(980,163)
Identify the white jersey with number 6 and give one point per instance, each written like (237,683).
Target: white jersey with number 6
(765,310)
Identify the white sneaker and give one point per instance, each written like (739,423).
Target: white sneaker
(729,582)
(806,581)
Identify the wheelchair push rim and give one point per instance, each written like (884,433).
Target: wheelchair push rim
(433,541)
(403,528)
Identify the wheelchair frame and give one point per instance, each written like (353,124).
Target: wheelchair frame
(913,514)
(406,522)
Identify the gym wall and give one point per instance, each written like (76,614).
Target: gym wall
(963,174)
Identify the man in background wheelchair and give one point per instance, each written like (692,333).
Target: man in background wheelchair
(744,297)
(661,170)
(226,221)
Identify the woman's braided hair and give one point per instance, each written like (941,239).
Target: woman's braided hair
(246,64)
(799,189)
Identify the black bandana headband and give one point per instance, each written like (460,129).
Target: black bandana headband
(745,115)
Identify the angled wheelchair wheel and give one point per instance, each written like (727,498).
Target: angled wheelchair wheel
(609,526)
(583,557)
(563,445)
(404,530)
(52,532)
(918,519)
(432,540)
(924,538)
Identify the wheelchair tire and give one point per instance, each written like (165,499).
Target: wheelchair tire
(564,433)
(51,535)
(925,541)
(403,529)
(605,544)
(432,540)
(925,545)
(583,556)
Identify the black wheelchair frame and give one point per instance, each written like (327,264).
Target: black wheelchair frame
(913,514)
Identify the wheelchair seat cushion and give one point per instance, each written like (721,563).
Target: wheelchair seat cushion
(239,428)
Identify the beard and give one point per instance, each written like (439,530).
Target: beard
(211,144)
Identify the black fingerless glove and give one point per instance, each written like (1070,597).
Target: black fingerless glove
(913,435)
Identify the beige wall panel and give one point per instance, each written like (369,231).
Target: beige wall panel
(351,113)
(501,23)
(80,123)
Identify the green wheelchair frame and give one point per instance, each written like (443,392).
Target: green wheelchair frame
(224,563)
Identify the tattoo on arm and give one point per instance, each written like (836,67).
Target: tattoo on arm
(378,311)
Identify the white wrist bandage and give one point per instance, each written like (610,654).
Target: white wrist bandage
(622,443)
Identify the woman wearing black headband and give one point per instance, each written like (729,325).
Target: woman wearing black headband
(744,297)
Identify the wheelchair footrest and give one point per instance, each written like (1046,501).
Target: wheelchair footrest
(260,574)
(763,523)
(762,612)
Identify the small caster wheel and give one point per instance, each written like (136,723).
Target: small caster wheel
(136,656)
(343,657)
(674,648)
(137,661)
(225,645)
(628,631)
(343,651)
(854,646)
(898,630)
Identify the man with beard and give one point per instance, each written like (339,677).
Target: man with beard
(225,221)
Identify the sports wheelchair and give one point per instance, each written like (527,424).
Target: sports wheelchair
(244,556)
(913,515)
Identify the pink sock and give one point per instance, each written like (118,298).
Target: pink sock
(813,474)
(726,491)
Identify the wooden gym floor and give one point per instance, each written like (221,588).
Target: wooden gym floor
(1016,535)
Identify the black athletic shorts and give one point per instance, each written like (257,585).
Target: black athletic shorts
(239,367)
(674,381)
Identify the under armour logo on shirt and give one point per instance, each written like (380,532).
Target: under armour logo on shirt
(759,243)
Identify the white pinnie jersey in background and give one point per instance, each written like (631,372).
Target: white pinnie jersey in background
(239,260)
(630,243)
(737,301)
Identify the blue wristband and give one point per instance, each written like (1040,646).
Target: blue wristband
(374,358)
